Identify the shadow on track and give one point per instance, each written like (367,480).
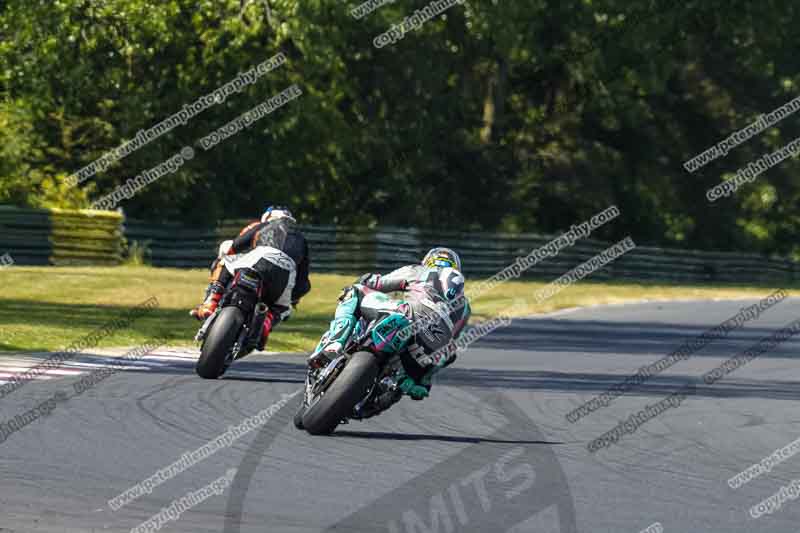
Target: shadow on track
(635,338)
(263,380)
(442,438)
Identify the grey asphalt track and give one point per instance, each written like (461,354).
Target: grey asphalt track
(490,450)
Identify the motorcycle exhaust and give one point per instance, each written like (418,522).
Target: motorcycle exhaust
(259,316)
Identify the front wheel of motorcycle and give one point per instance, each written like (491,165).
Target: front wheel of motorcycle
(218,343)
(350,387)
(298,417)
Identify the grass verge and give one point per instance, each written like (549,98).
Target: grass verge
(47,308)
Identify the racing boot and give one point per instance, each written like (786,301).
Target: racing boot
(269,323)
(332,343)
(209,306)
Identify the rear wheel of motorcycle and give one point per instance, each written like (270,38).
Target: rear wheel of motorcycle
(218,343)
(345,392)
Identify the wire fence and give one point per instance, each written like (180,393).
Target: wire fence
(59,237)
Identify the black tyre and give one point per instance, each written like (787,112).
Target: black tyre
(345,392)
(298,416)
(223,334)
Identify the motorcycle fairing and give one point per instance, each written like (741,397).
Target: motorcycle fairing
(385,333)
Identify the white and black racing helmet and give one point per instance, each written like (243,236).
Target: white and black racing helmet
(274,212)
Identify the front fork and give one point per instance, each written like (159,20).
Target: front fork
(203,331)
(318,380)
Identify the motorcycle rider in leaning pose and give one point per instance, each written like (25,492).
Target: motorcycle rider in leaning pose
(284,267)
(434,303)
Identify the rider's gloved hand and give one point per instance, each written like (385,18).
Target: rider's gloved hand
(413,389)
(345,292)
(451,354)
(369,280)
